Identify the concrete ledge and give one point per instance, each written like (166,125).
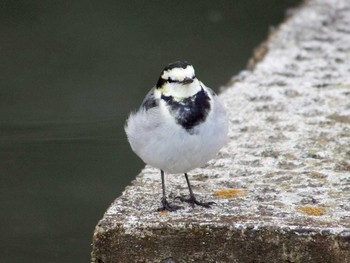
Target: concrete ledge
(282,182)
(221,243)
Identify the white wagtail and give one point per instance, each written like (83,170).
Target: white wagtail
(180,125)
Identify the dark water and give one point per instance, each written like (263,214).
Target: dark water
(70,72)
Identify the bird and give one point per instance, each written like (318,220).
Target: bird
(180,125)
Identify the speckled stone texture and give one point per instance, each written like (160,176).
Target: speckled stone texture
(282,182)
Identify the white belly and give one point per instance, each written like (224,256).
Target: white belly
(164,144)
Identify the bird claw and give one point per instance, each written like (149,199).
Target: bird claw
(166,206)
(193,201)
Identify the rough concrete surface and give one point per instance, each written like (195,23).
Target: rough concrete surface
(282,182)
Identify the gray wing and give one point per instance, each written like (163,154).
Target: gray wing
(211,91)
(208,89)
(149,101)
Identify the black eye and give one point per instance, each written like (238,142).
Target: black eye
(172,80)
(193,77)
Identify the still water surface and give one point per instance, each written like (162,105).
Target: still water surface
(70,72)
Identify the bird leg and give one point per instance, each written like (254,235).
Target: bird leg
(166,206)
(192,199)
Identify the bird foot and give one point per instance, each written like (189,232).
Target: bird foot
(166,206)
(193,201)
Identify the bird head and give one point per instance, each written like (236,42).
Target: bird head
(178,80)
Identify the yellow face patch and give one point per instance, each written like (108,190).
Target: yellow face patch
(180,91)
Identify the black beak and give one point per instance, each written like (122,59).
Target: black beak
(187,81)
